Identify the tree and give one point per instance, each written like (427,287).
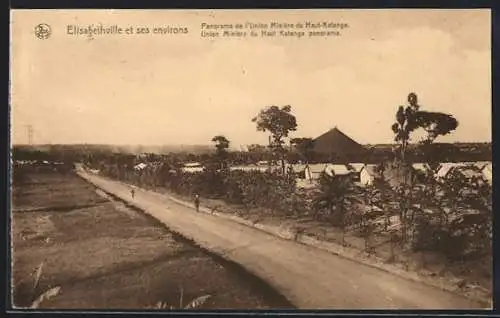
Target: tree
(405,196)
(221,145)
(337,195)
(279,122)
(410,117)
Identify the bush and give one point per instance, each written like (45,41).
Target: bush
(250,188)
(261,189)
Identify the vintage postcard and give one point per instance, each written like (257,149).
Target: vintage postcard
(251,159)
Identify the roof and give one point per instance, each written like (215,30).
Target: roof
(192,169)
(446,167)
(469,172)
(336,142)
(336,169)
(468,169)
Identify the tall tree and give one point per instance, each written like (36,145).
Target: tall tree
(279,122)
(221,146)
(410,117)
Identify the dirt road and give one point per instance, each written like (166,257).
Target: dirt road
(309,278)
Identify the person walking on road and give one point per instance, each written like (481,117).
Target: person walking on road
(132,192)
(197,202)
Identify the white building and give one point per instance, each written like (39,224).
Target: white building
(192,167)
(368,174)
(468,169)
(248,168)
(309,174)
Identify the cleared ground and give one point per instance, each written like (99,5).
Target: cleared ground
(105,255)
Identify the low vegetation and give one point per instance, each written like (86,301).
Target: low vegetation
(194,304)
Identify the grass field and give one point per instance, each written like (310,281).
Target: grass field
(104,255)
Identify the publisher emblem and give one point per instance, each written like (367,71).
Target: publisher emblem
(43,31)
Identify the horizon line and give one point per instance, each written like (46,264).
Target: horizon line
(211,145)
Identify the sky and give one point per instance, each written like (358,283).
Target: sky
(185,89)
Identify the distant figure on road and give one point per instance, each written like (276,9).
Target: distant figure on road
(197,202)
(132,192)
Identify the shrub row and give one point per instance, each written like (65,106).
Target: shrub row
(451,228)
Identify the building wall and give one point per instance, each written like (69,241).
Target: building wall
(192,169)
(365,178)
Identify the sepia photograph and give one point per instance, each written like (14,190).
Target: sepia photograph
(251,159)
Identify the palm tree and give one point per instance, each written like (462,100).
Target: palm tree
(337,195)
(279,122)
